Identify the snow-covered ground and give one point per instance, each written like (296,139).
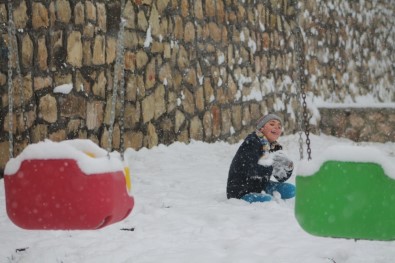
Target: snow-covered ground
(182,215)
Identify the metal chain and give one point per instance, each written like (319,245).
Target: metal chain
(299,47)
(299,117)
(22,96)
(11,32)
(122,85)
(117,68)
(298,95)
(299,98)
(122,110)
(306,124)
(11,50)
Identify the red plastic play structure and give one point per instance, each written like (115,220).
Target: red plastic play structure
(55,194)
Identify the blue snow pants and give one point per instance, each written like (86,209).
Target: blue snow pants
(286,191)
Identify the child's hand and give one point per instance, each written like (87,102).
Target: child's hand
(281,160)
(282,166)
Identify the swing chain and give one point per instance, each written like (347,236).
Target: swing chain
(299,120)
(306,123)
(22,99)
(300,132)
(299,47)
(118,81)
(122,99)
(13,49)
(11,31)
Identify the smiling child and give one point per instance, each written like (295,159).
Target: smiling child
(258,158)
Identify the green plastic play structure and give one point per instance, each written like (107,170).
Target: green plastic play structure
(347,200)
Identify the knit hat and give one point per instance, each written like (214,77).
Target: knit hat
(265,119)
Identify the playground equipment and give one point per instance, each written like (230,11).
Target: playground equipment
(66,185)
(348,193)
(72,184)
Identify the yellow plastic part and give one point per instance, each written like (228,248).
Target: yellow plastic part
(127,178)
(90,154)
(126,170)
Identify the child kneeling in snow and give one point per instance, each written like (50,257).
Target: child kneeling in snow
(258,158)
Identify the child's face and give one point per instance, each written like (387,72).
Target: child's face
(272,130)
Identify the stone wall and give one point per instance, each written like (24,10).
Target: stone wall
(359,124)
(202,70)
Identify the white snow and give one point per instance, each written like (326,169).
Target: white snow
(242,36)
(77,149)
(252,45)
(221,58)
(182,215)
(65,88)
(255,94)
(148,37)
(367,101)
(349,153)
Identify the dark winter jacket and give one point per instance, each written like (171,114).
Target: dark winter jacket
(245,174)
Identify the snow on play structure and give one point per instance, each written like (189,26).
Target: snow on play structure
(67,185)
(348,193)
